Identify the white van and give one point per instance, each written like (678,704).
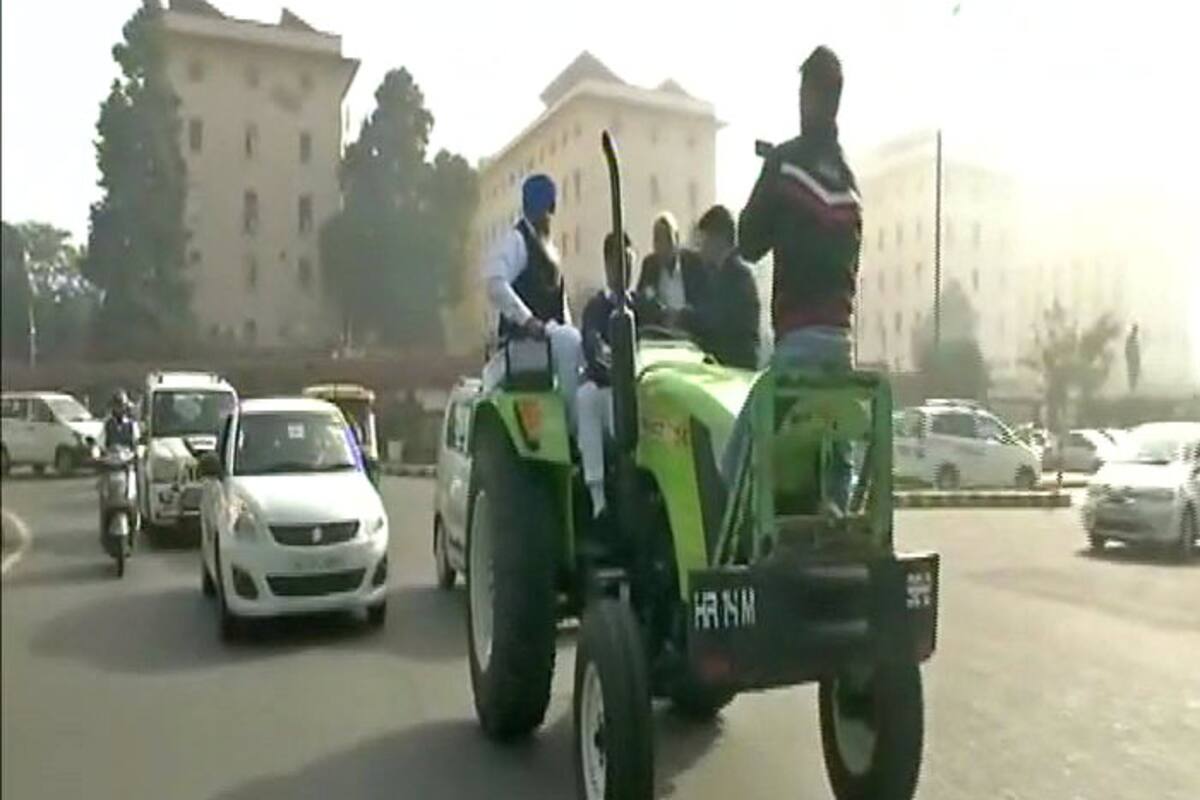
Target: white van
(950,445)
(43,429)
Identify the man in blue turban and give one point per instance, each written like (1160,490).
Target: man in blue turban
(525,286)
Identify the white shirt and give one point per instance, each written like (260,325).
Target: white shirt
(670,286)
(503,266)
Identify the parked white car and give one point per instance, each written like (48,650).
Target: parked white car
(453,492)
(181,415)
(43,429)
(953,446)
(290,523)
(1149,492)
(1084,450)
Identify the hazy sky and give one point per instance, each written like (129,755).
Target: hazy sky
(1078,95)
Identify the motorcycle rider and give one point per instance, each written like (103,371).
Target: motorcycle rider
(120,428)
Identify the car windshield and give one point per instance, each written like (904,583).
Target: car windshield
(68,409)
(275,443)
(189,412)
(1153,445)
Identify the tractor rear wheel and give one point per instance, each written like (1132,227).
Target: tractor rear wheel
(872,726)
(511,608)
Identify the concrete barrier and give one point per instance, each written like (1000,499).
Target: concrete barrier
(982,499)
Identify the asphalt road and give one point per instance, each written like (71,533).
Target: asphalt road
(1060,676)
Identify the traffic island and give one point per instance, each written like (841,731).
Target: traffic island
(982,499)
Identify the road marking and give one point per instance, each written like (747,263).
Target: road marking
(23,535)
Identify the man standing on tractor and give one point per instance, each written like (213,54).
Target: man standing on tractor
(672,280)
(525,286)
(728,318)
(805,208)
(595,395)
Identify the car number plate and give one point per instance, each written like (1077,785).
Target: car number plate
(317,563)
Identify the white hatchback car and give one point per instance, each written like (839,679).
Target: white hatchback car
(952,446)
(290,523)
(452,495)
(1149,492)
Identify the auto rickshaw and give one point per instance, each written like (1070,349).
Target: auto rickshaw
(357,403)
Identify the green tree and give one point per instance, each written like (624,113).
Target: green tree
(137,238)
(1069,360)
(15,295)
(64,302)
(956,367)
(398,248)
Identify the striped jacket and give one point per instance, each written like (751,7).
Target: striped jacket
(805,208)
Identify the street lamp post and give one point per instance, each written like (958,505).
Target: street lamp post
(32,324)
(937,251)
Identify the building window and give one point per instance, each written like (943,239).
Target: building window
(250,140)
(250,212)
(306,213)
(577,240)
(975,279)
(691,141)
(899,234)
(693,196)
(195,70)
(305,147)
(306,81)
(195,134)
(917,270)
(194,257)
(976,235)
(250,331)
(565,187)
(578,129)
(899,281)
(252,76)
(654,135)
(882,236)
(563,244)
(655,193)
(251,272)
(304,273)
(899,324)
(576,179)
(882,282)
(918,230)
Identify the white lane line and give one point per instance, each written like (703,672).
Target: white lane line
(24,536)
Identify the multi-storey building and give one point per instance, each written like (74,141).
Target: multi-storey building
(261,107)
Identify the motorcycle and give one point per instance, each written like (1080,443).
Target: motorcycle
(119,517)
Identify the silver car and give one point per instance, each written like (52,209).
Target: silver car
(1147,492)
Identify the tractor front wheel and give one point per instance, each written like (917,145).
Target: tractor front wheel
(511,610)
(872,726)
(614,734)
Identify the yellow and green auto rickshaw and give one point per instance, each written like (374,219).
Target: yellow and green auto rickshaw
(357,404)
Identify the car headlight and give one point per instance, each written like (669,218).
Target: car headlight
(245,525)
(376,526)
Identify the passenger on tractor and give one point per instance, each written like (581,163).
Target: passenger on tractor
(805,209)
(727,321)
(525,286)
(672,282)
(595,403)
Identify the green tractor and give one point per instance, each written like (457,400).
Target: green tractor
(707,586)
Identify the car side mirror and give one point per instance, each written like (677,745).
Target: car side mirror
(209,466)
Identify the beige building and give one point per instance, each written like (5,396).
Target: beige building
(261,107)
(896,270)
(1015,251)
(667,142)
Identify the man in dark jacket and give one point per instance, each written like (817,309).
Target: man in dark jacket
(806,210)
(672,280)
(728,316)
(594,402)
